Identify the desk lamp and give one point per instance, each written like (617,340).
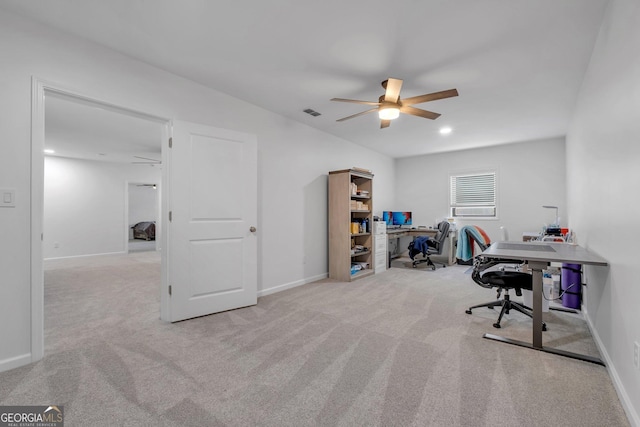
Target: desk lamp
(557,224)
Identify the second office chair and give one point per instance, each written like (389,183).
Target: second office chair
(430,246)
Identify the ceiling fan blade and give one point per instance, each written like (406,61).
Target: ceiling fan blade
(356,115)
(355,101)
(430,97)
(392,87)
(418,112)
(146,158)
(385,124)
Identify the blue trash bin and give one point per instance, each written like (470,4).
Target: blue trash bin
(571,284)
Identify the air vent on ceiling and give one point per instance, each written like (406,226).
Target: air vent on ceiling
(311,112)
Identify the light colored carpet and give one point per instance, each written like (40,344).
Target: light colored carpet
(141,245)
(394,349)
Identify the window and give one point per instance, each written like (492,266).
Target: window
(473,195)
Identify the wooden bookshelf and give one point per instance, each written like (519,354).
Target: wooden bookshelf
(342,213)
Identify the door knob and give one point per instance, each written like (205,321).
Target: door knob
(252,229)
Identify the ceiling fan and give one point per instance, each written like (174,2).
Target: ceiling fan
(389,105)
(147,162)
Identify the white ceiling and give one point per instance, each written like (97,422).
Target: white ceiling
(517,64)
(85,130)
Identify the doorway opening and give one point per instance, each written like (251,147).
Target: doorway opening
(85,153)
(143,213)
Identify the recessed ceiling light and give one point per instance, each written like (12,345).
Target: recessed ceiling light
(49,151)
(445,130)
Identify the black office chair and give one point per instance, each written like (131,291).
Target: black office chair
(430,246)
(504,277)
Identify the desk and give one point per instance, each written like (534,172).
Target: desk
(538,255)
(397,233)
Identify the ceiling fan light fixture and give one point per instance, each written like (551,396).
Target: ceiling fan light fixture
(389,113)
(390,105)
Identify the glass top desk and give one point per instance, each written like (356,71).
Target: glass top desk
(538,256)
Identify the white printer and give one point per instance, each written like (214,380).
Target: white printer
(379,227)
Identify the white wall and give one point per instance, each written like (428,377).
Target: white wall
(293,160)
(529,175)
(85,205)
(603,177)
(293,202)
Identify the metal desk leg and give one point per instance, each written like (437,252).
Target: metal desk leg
(537,267)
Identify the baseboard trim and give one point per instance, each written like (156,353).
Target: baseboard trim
(86,256)
(291,285)
(15,362)
(632,413)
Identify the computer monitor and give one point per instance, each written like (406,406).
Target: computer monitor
(387,216)
(401,218)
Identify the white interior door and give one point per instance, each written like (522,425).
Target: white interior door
(211,236)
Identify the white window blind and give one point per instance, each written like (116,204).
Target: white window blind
(473,195)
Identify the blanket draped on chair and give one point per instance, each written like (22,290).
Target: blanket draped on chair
(466,237)
(420,244)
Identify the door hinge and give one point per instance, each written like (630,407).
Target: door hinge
(169,290)
(170,216)
(170,142)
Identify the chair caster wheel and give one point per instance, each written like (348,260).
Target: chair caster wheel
(433,268)
(496,325)
(468,311)
(414,266)
(544,326)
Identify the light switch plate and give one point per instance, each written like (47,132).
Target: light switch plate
(7,198)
